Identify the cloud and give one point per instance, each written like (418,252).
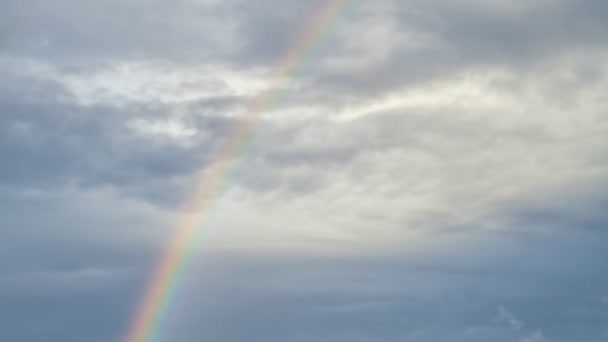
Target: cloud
(109,32)
(431,162)
(534,337)
(507,317)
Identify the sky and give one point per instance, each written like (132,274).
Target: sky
(437,171)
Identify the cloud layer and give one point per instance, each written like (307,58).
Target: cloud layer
(437,172)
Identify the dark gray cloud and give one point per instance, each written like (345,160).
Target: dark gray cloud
(113,30)
(49,140)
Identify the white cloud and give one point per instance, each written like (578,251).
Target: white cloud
(506,316)
(518,326)
(169,128)
(534,337)
(156,81)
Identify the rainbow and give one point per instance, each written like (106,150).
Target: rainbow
(165,282)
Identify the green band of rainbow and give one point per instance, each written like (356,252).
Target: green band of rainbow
(154,304)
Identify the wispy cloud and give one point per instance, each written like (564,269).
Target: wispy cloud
(518,326)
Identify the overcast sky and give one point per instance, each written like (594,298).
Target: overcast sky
(438,171)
